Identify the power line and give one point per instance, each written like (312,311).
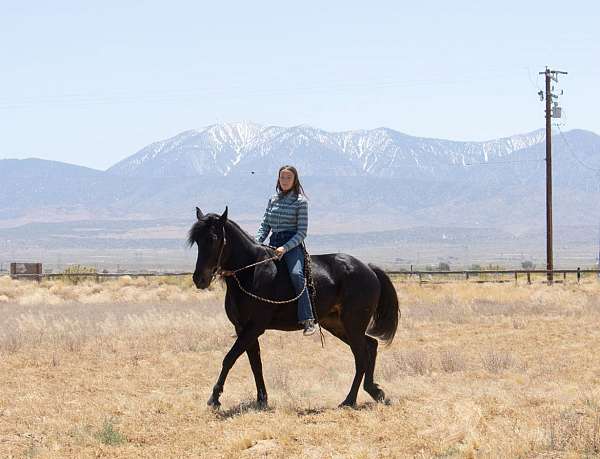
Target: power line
(168,96)
(536,85)
(583,164)
(564,139)
(517,161)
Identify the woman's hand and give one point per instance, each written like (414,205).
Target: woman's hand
(279,251)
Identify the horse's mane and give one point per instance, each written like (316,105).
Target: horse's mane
(197,226)
(243,232)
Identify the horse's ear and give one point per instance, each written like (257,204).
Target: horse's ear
(223,218)
(199,213)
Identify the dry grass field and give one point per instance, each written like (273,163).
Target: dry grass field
(123,368)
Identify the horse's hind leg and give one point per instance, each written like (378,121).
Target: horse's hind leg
(369,385)
(337,329)
(359,349)
(253,352)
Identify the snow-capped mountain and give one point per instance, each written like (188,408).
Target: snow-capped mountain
(381,171)
(211,151)
(226,149)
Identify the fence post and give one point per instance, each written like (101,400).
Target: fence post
(529,277)
(466,275)
(578,274)
(420,278)
(516,278)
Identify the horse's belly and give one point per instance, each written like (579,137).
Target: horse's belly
(286,317)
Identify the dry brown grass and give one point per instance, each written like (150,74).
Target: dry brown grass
(124,368)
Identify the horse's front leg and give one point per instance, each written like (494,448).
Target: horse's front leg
(245,339)
(253,352)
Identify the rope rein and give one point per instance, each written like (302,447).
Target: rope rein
(267,299)
(307,284)
(225,273)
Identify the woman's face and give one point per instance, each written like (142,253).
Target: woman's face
(286,180)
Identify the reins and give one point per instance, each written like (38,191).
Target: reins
(226,273)
(267,299)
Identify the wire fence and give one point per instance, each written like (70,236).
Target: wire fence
(497,276)
(422,277)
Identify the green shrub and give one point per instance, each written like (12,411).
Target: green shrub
(443,266)
(528,264)
(110,435)
(72,271)
(80,269)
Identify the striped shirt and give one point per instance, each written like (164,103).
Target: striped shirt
(285,212)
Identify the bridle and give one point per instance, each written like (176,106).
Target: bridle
(217,269)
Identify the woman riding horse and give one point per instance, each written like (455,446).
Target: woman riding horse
(352,299)
(286,217)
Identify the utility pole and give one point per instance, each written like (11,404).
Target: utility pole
(598,264)
(598,260)
(551,112)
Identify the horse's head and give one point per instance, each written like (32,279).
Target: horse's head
(208,233)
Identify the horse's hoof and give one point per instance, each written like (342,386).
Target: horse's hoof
(262,404)
(375,392)
(378,395)
(214,404)
(347,404)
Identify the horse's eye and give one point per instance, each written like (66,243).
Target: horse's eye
(213,237)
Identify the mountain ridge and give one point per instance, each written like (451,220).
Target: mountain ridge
(506,192)
(223,149)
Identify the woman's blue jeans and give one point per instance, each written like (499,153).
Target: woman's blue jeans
(294,259)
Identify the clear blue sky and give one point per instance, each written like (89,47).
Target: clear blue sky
(91,85)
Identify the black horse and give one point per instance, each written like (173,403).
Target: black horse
(352,299)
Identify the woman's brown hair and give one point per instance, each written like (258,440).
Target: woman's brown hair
(296,187)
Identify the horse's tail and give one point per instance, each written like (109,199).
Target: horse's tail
(385,320)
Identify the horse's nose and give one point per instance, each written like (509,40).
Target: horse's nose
(196,279)
(199,280)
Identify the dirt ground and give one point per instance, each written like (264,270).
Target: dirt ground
(124,369)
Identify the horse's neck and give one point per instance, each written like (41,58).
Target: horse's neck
(240,250)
